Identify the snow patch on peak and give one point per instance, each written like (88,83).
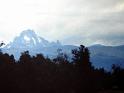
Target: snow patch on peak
(34,41)
(39,39)
(26,38)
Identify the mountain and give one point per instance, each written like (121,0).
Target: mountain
(105,56)
(29,40)
(101,56)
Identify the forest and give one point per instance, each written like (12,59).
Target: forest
(39,74)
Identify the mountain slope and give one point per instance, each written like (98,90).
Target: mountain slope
(101,56)
(29,40)
(105,56)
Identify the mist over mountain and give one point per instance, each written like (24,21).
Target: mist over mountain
(101,56)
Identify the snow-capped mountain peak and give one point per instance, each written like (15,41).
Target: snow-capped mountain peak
(26,38)
(28,32)
(29,39)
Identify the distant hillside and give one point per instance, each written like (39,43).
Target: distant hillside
(104,56)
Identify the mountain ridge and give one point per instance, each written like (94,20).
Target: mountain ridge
(28,40)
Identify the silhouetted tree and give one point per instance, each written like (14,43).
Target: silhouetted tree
(2,43)
(25,58)
(81,58)
(39,59)
(39,74)
(61,58)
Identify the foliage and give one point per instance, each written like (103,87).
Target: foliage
(37,74)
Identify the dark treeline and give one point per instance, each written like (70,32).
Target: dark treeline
(38,74)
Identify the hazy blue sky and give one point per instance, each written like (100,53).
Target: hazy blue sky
(70,21)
